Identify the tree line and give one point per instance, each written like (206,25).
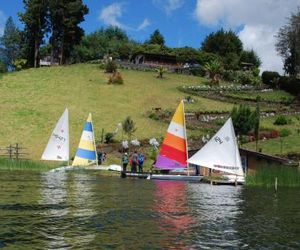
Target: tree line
(45,22)
(51,29)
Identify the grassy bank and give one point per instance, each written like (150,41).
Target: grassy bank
(265,176)
(7,164)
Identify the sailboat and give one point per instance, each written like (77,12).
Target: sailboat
(173,152)
(57,148)
(86,154)
(221,153)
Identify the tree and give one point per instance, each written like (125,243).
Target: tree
(242,119)
(288,44)
(10,43)
(128,127)
(65,17)
(156,38)
(214,68)
(222,43)
(161,70)
(36,25)
(256,122)
(112,41)
(283,133)
(249,56)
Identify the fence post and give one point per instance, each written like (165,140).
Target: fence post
(17,151)
(10,151)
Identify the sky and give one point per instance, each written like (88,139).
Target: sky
(186,22)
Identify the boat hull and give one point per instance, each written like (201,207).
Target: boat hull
(175,177)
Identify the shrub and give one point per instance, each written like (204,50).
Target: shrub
(110,66)
(200,71)
(115,78)
(229,75)
(247,78)
(284,132)
(109,137)
(3,67)
(269,78)
(290,84)
(281,120)
(19,64)
(153,116)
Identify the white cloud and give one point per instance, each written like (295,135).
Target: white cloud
(110,15)
(168,5)
(259,19)
(261,39)
(144,24)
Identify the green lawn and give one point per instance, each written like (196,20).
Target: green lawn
(290,143)
(271,96)
(32,101)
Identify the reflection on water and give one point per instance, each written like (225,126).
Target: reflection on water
(215,209)
(82,210)
(172,208)
(54,195)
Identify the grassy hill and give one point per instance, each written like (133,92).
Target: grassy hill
(32,100)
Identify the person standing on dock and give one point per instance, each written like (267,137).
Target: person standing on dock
(125,160)
(134,158)
(141,160)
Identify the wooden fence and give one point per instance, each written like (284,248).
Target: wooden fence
(13,152)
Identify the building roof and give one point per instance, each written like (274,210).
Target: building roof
(273,158)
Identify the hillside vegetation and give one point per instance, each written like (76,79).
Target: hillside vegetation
(33,100)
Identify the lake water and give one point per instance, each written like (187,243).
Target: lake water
(82,210)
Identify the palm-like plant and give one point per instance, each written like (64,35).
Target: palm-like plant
(128,127)
(161,70)
(214,69)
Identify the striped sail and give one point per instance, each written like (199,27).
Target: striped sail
(173,152)
(86,153)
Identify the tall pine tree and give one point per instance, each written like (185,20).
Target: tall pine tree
(36,25)
(65,17)
(10,43)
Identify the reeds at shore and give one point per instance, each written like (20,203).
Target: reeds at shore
(266,176)
(12,164)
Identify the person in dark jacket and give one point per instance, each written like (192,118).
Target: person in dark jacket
(134,159)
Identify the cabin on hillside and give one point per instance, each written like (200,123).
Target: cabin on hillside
(154,60)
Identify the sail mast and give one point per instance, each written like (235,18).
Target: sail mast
(186,144)
(94,141)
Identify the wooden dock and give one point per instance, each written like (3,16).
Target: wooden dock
(140,175)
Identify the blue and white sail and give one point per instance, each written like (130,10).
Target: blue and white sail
(86,153)
(57,148)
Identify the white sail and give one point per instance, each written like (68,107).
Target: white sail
(220,152)
(57,148)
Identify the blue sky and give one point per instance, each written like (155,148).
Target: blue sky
(186,22)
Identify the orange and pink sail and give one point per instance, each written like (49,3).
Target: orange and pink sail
(173,152)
